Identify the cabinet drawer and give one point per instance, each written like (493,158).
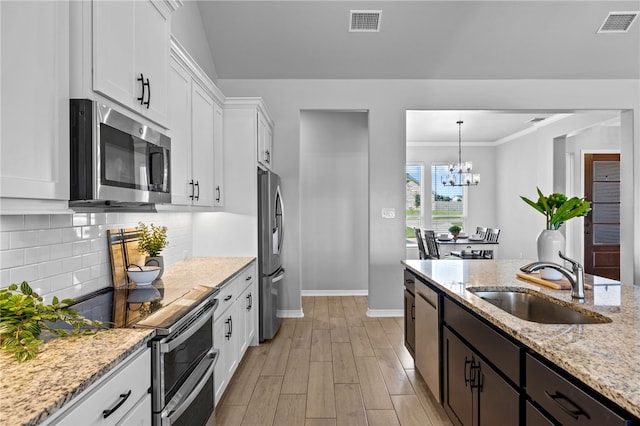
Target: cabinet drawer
(119,392)
(504,354)
(234,288)
(568,404)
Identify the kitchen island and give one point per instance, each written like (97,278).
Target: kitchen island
(35,390)
(605,357)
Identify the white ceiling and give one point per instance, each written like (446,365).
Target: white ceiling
(478,127)
(420,39)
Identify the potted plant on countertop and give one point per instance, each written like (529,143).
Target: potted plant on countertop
(153,239)
(455,231)
(557,209)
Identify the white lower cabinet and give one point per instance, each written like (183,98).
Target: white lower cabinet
(232,325)
(121,397)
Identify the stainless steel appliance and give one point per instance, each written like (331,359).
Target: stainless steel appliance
(270,240)
(115,160)
(183,357)
(182,362)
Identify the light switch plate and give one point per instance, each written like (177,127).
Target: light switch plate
(388,213)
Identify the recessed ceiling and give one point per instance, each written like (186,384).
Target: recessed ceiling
(420,39)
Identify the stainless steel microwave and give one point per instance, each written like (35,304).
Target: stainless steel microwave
(115,160)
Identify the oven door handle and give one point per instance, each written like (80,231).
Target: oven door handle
(190,389)
(193,328)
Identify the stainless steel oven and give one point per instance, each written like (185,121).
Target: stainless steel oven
(115,159)
(183,361)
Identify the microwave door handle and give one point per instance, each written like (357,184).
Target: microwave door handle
(195,326)
(181,406)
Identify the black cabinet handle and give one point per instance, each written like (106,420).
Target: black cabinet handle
(228,297)
(218,194)
(469,362)
(123,398)
(148,94)
(576,412)
(248,278)
(250,299)
(267,156)
(192,189)
(477,378)
(227,335)
(148,86)
(197,185)
(413,311)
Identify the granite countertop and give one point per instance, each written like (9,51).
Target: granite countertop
(606,357)
(32,391)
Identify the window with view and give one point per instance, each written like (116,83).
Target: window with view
(448,203)
(414,194)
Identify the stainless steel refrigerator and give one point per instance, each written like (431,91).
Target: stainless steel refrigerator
(270,239)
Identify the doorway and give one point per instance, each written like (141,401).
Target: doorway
(334,202)
(602,224)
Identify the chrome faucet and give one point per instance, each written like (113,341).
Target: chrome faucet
(575,276)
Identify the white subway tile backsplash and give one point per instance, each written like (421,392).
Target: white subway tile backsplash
(61,220)
(37,254)
(36,221)
(4,240)
(60,251)
(11,223)
(11,258)
(71,264)
(48,269)
(49,236)
(71,234)
(23,239)
(24,273)
(81,247)
(67,255)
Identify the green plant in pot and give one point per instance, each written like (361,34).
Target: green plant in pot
(557,209)
(24,316)
(153,239)
(455,231)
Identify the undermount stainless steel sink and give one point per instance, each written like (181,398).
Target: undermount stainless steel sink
(532,307)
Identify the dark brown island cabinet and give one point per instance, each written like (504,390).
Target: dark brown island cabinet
(488,378)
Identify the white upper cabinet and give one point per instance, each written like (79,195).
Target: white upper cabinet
(196,120)
(131,55)
(202,145)
(34,88)
(218,146)
(265,141)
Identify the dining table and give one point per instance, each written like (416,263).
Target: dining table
(467,248)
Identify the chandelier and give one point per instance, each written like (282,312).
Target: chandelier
(460,174)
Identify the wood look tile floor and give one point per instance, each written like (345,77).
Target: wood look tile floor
(334,367)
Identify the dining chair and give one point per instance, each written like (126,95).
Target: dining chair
(481,231)
(491,237)
(421,249)
(432,245)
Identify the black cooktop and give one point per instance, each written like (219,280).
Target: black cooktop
(150,306)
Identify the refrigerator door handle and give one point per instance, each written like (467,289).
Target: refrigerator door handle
(279,276)
(279,212)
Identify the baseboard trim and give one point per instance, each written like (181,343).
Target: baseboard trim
(334,292)
(385,312)
(290,313)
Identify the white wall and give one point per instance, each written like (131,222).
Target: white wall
(187,27)
(387,101)
(524,164)
(334,202)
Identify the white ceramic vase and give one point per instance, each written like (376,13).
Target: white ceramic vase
(550,242)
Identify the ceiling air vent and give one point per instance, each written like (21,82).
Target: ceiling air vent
(365,21)
(618,22)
